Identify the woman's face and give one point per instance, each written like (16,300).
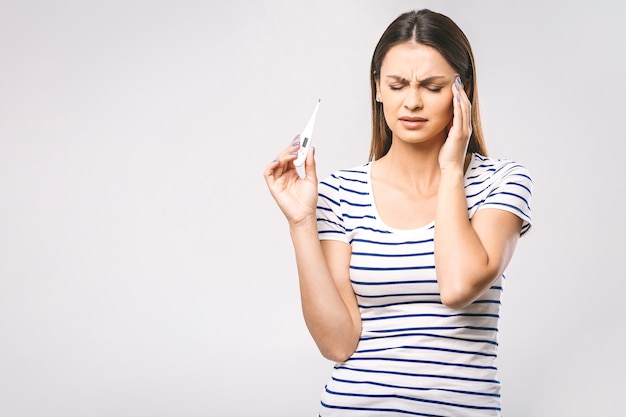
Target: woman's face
(415,90)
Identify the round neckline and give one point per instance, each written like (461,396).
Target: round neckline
(380,220)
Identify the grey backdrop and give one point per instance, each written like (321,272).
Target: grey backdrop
(144,268)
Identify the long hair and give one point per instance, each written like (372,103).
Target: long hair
(441,33)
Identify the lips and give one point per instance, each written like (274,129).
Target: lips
(412,122)
(413,119)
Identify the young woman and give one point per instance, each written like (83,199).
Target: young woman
(401,260)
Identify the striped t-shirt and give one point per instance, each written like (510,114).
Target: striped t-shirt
(415,355)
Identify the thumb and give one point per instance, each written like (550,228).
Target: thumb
(309,166)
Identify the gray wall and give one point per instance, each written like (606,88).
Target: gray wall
(144,268)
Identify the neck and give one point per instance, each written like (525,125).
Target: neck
(414,165)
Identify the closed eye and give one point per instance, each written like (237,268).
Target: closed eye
(434,88)
(396,87)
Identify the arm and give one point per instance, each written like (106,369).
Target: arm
(329,305)
(328,301)
(469,255)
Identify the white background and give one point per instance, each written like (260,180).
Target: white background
(145,269)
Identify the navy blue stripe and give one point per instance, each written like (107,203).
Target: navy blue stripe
(515,208)
(517,184)
(519,174)
(380,384)
(491,342)
(349,190)
(472,177)
(353,171)
(485,329)
(470,196)
(386,232)
(383,359)
(329,185)
(328,221)
(478,203)
(400,304)
(385,410)
(404,316)
(349,216)
(417,294)
(351,179)
(350,203)
(324,232)
(423,281)
(325,209)
(325,197)
(421,302)
(399,268)
(471,184)
(457,378)
(404,397)
(409,242)
(392,255)
(512,195)
(463,352)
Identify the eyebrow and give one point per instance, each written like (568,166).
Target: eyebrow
(424,81)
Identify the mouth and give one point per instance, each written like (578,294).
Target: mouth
(413,119)
(412,123)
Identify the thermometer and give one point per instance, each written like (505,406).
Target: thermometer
(305,138)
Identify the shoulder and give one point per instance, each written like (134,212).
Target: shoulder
(485,168)
(499,183)
(357,176)
(338,195)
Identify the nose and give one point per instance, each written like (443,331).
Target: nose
(413,99)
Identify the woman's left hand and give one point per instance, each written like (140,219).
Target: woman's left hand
(452,153)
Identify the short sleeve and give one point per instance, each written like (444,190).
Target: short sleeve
(330,222)
(512,191)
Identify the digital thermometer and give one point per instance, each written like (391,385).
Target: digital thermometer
(305,138)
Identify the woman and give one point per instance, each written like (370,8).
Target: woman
(400,260)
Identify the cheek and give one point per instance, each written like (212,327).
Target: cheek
(443,107)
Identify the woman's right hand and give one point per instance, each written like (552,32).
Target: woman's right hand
(296,196)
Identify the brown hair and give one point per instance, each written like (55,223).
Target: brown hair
(437,31)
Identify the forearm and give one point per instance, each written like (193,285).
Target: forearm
(327,316)
(461,261)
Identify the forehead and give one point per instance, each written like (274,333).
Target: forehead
(414,61)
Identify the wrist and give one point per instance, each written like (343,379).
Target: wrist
(451,178)
(452,170)
(306,223)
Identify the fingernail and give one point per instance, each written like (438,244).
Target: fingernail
(295,143)
(293,153)
(313,149)
(458,79)
(296,137)
(275,160)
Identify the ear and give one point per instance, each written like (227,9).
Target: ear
(378,90)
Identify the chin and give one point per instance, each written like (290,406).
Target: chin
(420,136)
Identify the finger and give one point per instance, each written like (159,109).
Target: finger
(272,173)
(270,168)
(291,151)
(466,105)
(283,161)
(280,164)
(462,109)
(309,166)
(457,114)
